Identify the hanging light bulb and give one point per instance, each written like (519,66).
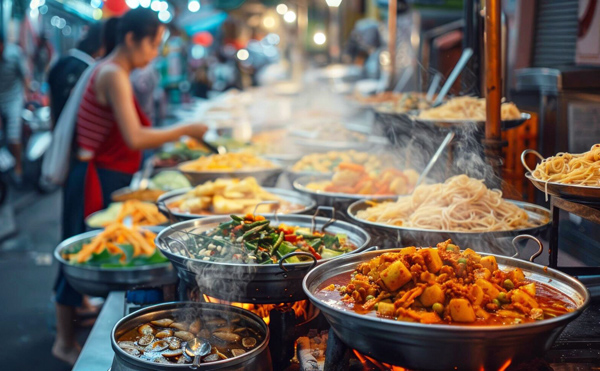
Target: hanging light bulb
(194,6)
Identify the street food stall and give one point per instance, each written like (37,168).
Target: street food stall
(321,228)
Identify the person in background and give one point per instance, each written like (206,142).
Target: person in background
(42,57)
(63,76)
(145,81)
(111,132)
(14,79)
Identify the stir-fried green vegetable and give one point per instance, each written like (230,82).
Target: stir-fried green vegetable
(253,240)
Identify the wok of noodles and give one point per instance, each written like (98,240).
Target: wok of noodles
(468,108)
(460,204)
(581,169)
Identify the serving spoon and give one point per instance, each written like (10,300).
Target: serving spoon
(460,65)
(197,348)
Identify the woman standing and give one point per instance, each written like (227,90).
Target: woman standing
(111,133)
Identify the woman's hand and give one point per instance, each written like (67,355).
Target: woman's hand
(195,130)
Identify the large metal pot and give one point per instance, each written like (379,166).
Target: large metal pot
(257,359)
(493,241)
(96,281)
(248,283)
(170,197)
(445,347)
(340,201)
(265,177)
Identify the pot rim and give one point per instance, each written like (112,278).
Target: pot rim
(446,328)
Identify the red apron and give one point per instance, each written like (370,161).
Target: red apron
(114,155)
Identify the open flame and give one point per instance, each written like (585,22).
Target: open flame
(300,308)
(371,363)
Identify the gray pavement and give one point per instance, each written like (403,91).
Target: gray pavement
(27,272)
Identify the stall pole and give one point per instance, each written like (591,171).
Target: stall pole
(493,67)
(392,27)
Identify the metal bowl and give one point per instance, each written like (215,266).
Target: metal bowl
(91,227)
(494,241)
(585,194)
(246,283)
(256,359)
(96,281)
(452,123)
(265,177)
(291,196)
(295,175)
(445,347)
(575,192)
(338,200)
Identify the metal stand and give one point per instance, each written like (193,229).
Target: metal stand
(588,212)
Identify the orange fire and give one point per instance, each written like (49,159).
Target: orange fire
(505,365)
(263,310)
(366,360)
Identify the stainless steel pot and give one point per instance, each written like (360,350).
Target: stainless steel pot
(265,177)
(340,201)
(96,281)
(248,283)
(494,241)
(167,198)
(445,347)
(257,359)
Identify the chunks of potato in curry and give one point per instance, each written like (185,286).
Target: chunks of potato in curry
(443,285)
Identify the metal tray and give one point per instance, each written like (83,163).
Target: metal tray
(285,194)
(265,177)
(96,281)
(249,283)
(494,241)
(448,123)
(575,192)
(329,198)
(445,347)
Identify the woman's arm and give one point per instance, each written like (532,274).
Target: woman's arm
(117,90)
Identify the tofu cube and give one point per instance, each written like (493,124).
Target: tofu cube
(432,294)
(529,288)
(408,250)
(395,276)
(386,309)
(522,297)
(432,260)
(476,294)
(461,310)
(516,275)
(488,288)
(490,263)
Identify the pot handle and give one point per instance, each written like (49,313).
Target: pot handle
(525,153)
(372,248)
(268,203)
(297,253)
(313,222)
(162,207)
(528,237)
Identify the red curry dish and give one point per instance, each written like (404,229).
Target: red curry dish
(447,286)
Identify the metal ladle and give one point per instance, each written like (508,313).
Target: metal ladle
(435,158)
(460,65)
(197,348)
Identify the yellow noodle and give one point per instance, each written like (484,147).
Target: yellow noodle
(468,108)
(460,204)
(566,168)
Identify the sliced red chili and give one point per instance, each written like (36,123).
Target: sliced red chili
(314,252)
(291,238)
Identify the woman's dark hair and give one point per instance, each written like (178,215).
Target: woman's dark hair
(142,22)
(92,41)
(109,34)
